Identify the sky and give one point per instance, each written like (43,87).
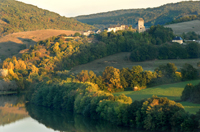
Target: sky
(71,8)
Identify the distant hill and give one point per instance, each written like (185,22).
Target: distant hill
(16,17)
(152,16)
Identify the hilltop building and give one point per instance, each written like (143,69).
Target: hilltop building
(97,31)
(140,26)
(116,28)
(178,40)
(87,33)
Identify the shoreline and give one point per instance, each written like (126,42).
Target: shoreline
(7,92)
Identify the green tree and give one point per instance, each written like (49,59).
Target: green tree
(193,50)
(188,72)
(77,34)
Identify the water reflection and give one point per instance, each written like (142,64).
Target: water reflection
(11,99)
(31,118)
(67,121)
(11,109)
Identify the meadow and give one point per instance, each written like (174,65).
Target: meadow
(183,27)
(13,43)
(171,91)
(120,60)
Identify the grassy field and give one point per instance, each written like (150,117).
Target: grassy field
(171,91)
(10,44)
(120,61)
(182,27)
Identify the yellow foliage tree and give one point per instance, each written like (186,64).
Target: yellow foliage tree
(12,75)
(83,76)
(111,77)
(56,48)
(22,64)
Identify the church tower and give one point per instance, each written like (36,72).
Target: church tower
(141,27)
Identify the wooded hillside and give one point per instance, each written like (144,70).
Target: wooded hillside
(16,17)
(152,16)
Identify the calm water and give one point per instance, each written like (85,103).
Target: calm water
(17,117)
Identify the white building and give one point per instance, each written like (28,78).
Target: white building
(178,40)
(97,31)
(141,27)
(116,28)
(87,33)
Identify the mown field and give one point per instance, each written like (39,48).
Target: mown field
(120,61)
(171,91)
(183,27)
(12,44)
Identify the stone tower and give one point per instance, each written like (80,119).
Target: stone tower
(141,27)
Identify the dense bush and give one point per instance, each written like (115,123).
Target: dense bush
(191,93)
(188,72)
(191,35)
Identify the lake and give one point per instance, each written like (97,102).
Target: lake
(16,116)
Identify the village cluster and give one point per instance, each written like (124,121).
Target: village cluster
(140,28)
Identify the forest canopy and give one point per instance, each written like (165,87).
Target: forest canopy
(152,16)
(16,17)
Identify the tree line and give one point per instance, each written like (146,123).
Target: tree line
(56,54)
(115,80)
(85,98)
(111,79)
(185,19)
(166,51)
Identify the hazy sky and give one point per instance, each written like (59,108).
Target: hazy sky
(70,8)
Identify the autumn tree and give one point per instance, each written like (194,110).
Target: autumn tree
(111,78)
(83,76)
(56,48)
